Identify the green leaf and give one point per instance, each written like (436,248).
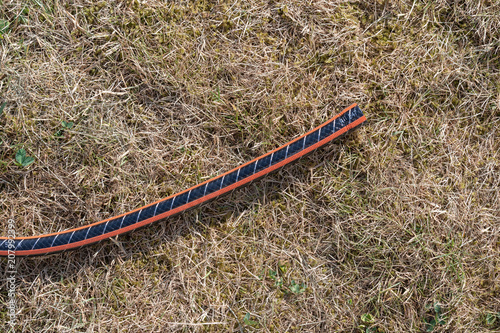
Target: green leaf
(28,160)
(23,16)
(491,318)
(247,320)
(22,159)
(430,325)
(437,319)
(20,155)
(440,319)
(278,282)
(367,318)
(68,124)
(4,26)
(2,106)
(297,288)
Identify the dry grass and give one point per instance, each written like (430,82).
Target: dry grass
(399,217)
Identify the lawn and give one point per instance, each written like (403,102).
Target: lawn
(110,105)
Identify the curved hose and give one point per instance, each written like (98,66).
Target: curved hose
(177,203)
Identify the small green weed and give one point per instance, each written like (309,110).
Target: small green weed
(4,27)
(294,287)
(23,15)
(437,319)
(22,159)
(493,319)
(248,321)
(216,95)
(65,125)
(297,288)
(366,321)
(278,281)
(367,318)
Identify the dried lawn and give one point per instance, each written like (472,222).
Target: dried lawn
(390,228)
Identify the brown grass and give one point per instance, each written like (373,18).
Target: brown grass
(372,234)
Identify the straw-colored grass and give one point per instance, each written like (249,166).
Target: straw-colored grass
(394,228)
